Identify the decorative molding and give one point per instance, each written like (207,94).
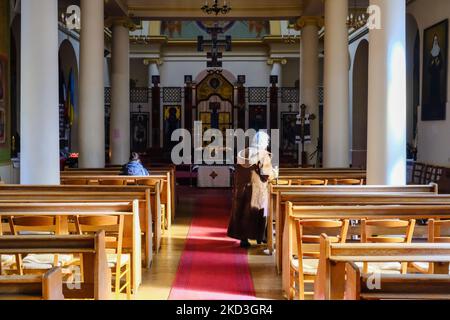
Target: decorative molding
(149,61)
(272,61)
(123,21)
(309,20)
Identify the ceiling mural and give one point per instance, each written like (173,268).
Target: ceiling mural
(236,29)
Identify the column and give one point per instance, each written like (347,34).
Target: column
(386,163)
(309,72)
(120,94)
(92,99)
(39,93)
(336,144)
(273,113)
(153,69)
(277,69)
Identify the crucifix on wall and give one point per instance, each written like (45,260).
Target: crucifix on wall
(214,56)
(304,121)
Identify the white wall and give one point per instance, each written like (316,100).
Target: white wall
(434,136)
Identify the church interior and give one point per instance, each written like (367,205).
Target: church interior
(347,199)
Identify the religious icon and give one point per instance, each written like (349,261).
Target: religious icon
(172,122)
(290,129)
(258,117)
(139,131)
(435,72)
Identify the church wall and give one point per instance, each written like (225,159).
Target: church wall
(291,72)
(433,140)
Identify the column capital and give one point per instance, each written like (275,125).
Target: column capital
(122,21)
(272,61)
(149,61)
(309,20)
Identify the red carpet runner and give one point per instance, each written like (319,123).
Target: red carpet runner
(212,267)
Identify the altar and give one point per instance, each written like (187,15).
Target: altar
(214,176)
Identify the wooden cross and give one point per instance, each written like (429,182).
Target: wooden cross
(215,55)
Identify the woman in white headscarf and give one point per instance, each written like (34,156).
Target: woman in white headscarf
(251,194)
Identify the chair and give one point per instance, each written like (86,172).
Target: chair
(38,263)
(153,182)
(418,173)
(372,232)
(118,262)
(348,182)
(434,236)
(311,182)
(303,267)
(163,195)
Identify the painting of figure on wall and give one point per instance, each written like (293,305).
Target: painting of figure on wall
(172,122)
(139,131)
(435,64)
(289,131)
(258,117)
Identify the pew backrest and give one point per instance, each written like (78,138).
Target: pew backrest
(330,283)
(48,286)
(360,286)
(97,277)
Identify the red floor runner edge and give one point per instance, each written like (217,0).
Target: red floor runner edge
(212,266)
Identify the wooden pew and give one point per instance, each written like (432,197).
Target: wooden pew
(48,286)
(168,171)
(146,208)
(330,283)
(166,188)
(64,210)
(97,277)
(395,287)
(279,195)
(356,212)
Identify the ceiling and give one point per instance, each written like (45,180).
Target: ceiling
(190,9)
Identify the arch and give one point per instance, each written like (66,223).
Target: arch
(225,73)
(360,104)
(69,69)
(413,79)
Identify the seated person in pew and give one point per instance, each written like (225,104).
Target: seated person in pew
(250,194)
(134,167)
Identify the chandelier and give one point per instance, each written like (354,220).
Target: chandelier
(357,18)
(215,8)
(356,21)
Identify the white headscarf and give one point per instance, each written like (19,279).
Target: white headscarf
(261,141)
(257,150)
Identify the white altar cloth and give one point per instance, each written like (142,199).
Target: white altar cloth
(214,177)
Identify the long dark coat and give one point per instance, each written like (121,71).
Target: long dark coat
(250,198)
